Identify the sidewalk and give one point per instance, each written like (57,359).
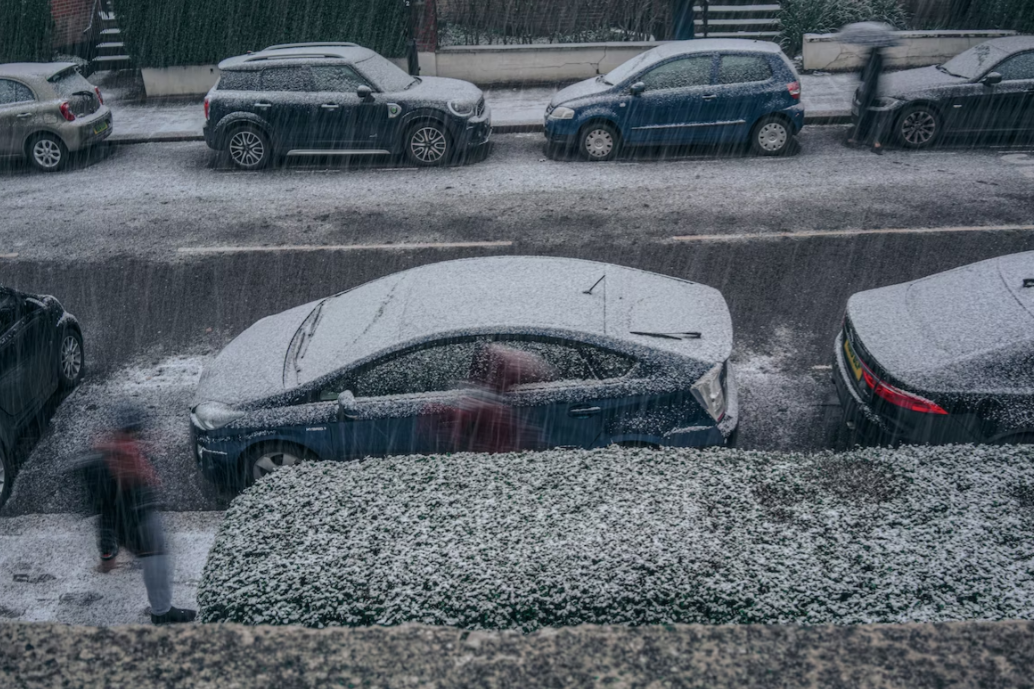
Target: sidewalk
(827,99)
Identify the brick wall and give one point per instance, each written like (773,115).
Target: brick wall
(71,18)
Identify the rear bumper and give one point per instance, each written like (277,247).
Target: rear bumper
(82,133)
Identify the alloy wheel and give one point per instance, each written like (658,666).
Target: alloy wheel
(428,144)
(772,137)
(246,148)
(599,143)
(918,128)
(46,153)
(71,358)
(269,462)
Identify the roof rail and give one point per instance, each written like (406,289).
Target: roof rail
(258,57)
(287,46)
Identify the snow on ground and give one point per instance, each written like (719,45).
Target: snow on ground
(163,387)
(48,569)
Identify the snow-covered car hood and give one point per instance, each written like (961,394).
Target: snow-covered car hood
(252,365)
(442,89)
(929,333)
(583,89)
(911,83)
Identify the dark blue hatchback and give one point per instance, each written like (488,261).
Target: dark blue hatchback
(721,91)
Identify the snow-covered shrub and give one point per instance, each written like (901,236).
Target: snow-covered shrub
(798,17)
(632,536)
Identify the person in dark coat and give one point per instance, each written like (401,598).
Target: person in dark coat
(870,126)
(122,484)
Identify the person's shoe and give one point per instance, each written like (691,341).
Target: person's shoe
(174,616)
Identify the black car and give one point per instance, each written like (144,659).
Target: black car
(948,358)
(621,356)
(323,99)
(989,89)
(41,350)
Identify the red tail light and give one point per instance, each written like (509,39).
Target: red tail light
(99,96)
(206,109)
(66,112)
(899,398)
(795,90)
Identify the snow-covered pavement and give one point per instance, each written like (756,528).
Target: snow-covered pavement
(48,566)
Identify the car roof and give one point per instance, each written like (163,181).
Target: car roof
(710,45)
(528,294)
(292,52)
(33,71)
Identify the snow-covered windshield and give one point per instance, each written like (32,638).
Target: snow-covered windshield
(975,61)
(624,71)
(386,75)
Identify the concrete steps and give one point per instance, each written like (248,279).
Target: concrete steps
(111,50)
(737,19)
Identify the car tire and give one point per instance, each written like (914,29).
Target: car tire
(71,359)
(265,458)
(428,144)
(771,136)
(47,152)
(249,148)
(6,476)
(599,142)
(918,127)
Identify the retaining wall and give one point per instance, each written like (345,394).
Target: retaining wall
(824,52)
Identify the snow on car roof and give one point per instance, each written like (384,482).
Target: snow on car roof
(313,51)
(530,293)
(29,70)
(919,330)
(706,45)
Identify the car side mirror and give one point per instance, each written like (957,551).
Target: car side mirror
(347,408)
(637,88)
(992,79)
(364,92)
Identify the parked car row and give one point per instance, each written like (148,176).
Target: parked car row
(339,99)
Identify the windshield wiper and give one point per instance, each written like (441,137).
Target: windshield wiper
(603,79)
(949,72)
(668,336)
(413,83)
(306,331)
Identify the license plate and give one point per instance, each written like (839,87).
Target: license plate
(852,361)
(100,127)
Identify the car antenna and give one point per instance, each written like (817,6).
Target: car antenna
(589,291)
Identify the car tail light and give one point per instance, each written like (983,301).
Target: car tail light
(898,397)
(795,90)
(100,98)
(66,112)
(206,109)
(710,393)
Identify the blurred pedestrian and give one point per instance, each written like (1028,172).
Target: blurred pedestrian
(122,485)
(871,123)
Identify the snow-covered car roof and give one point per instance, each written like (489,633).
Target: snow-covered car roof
(933,332)
(347,53)
(507,294)
(33,70)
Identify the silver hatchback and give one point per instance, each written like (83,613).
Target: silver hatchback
(48,111)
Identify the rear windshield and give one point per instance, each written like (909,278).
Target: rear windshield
(68,82)
(385,74)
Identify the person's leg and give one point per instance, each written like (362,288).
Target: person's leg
(158,580)
(158,573)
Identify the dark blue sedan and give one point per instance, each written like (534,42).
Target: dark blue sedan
(489,354)
(712,91)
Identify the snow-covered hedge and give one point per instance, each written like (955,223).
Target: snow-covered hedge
(630,536)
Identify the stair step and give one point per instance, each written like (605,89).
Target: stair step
(743,34)
(739,22)
(113,44)
(112,58)
(739,8)
(107,16)
(110,32)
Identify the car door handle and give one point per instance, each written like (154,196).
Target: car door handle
(23,115)
(583,411)
(712,97)
(262,105)
(330,106)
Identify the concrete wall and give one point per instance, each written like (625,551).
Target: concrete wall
(918,49)
(499,64)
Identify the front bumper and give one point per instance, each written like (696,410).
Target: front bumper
(477,132)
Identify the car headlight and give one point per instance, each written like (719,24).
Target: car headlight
(462,109)
(562,113)
(209,416)
(710,393)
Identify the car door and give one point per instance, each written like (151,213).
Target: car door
(22,349)
(17,115)
(745,90)
(346,121)
(1015,94)
(673,106)
(286,100)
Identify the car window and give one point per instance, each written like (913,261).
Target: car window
(69,82)
(1017,68)
(688,71)
(562,361)
(244,80)
(8,312)
(742,69)
(426,370)
(14,92)
(337,78)
(293,78)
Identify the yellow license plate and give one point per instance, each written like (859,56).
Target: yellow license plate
(852,361)
(100,127)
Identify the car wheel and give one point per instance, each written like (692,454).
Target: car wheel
(71,365)
(249,148)
(428,144)
(919,126)
(599,142)
(269,457)
(771,137)
(6,477)
(48,153)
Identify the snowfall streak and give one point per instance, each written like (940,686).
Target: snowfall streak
(844,233)
(342,247)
